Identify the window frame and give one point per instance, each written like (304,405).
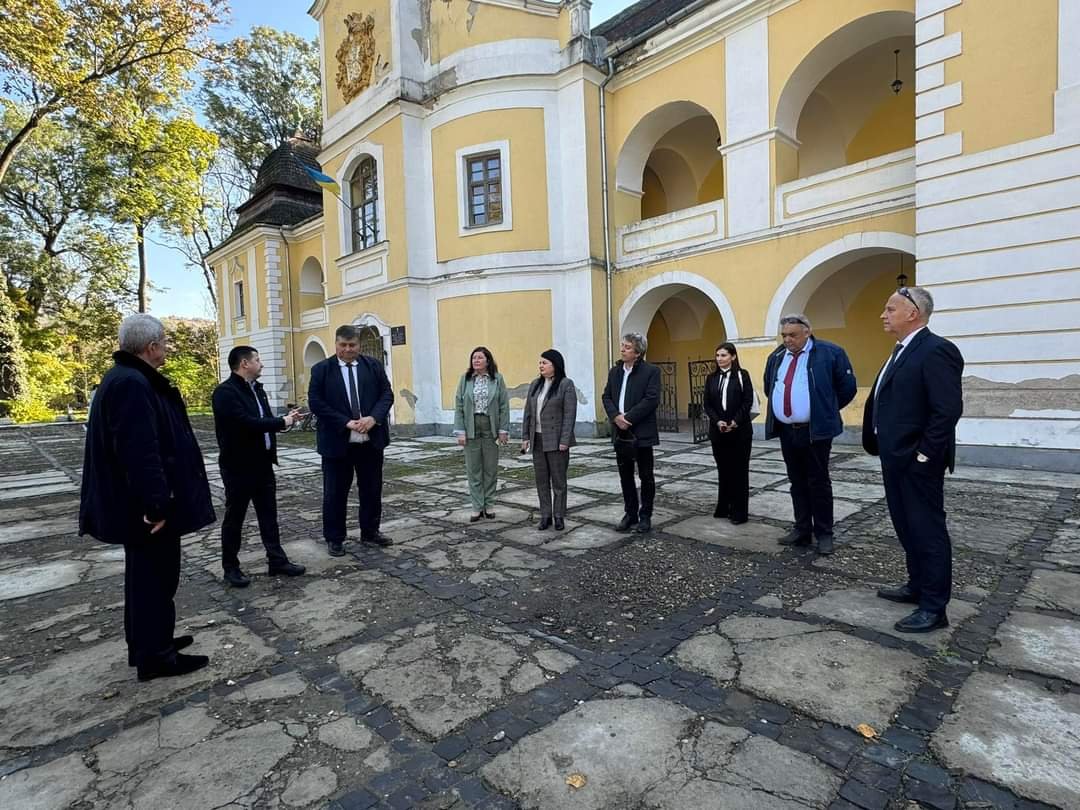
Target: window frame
(358,153)
(239,307)
(464,156)
(356,207)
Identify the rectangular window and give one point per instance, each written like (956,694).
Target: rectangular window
(485,189)
(238,299)
(364,198)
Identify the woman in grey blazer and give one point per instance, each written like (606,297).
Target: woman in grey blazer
(548,426)
(481,423)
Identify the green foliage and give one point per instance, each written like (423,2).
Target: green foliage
(261,91)
(192,363)
(13,381)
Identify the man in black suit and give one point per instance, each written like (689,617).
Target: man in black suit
(144,486)
(910,422)
(631,397)
(351,396)
(245,428)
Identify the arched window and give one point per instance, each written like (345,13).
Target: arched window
(364,199)
(371,343)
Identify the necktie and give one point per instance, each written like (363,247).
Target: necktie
(788,379)
(354,397)
(723,390)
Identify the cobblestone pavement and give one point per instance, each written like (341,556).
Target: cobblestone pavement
(491,665)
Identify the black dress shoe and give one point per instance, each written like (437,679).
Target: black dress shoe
(335,549)
(178,664)
(903,594)
(475,518)
(559,525)
(644,525)
(825,545)
(720,512)
(236,578)
(376,539)
(626,524)
(489,515)
(544,523)
(794,538)
(178,643)
(739,521)
(286,569)
(922,621)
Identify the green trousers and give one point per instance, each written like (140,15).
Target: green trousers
(482,465)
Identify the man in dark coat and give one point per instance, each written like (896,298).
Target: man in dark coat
(910,422)
(351,396)
(630,399)
(245,428)
(808,382)
(144,486)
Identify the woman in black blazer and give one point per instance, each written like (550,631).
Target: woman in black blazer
(729,396)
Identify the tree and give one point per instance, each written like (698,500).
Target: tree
(193,362)
(158,165)
(260,92)
(13,380)
(96,57)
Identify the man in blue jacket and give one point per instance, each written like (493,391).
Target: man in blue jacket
(351,395)
(808,382)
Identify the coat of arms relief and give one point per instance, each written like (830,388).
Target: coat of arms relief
(356,56)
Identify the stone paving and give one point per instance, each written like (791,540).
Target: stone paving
(490,665)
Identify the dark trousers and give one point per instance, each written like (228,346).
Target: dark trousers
(367,464)
(642,458)
(255,484)
(549,470)
(731,451)
(151,576)
(916,498)
(807,465)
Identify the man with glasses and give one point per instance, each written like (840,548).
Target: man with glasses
(910,422)
(808,382)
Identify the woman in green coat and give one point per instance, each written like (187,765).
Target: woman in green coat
(481,423)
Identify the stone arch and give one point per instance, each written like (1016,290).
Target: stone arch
(639,308)
(311,277)
(635,151)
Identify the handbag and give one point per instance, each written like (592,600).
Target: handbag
(624,440)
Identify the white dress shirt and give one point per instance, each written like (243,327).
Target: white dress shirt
(354,437)
(622,391)
(800,388)
(541,398)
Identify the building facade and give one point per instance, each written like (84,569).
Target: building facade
(690,169)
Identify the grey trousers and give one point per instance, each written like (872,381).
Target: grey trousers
(550,472)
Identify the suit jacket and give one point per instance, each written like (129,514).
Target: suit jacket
(329,401)
(642,399)
(465,406)
(740,398)
(832,387)
(918,403)
(141,459)
(557,417)
(241,431)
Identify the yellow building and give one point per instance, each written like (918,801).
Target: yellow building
(690,169)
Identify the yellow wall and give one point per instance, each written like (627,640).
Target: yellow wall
(335,32)
(515,326)
(1008,68)
(890,128)
(524,129)
(653,199)
(455,25)
(299,252)
(794,31)
(713,187)
(392,228)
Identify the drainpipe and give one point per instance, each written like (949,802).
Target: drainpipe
(292,327)
(604,194)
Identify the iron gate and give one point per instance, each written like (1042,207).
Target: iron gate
(699,421)
(667,414)
(371,344)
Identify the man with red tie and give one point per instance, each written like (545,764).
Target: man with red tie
(808,382)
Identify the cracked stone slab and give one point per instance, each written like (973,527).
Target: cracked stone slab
(527,498)
(443,676)
(153,740)
(492,561)
(347,734)
(504,516)
(36,491)
(309,554)
(849,490)
(777,505)
(1034,753)
(54,786)
(193,779)
(1052,590)
(606,481)
(34,579)
(750,536)
(638,752)
(862,608)
(310,785)
(1065,547)
(94,684)
(710,654)
(290,684)
(829,675)
(1043,644)
(357,601)
(611,513)
(37,529)
(582,539)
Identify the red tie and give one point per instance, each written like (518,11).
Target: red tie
(787,381)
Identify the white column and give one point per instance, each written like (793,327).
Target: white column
(1067,97)
(253,297)
(746,156)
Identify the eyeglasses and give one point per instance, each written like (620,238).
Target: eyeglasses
(904,291)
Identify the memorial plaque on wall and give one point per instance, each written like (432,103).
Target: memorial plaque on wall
(397,335)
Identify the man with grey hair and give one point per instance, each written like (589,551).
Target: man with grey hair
(144,486)
(910,423)
(808,382)
(630,399)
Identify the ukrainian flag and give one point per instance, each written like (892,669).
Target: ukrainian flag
(323,180)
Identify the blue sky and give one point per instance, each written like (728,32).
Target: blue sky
(180,288)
